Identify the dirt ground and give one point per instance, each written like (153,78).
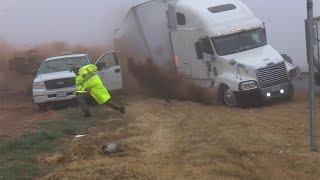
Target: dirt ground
(179,140)
(186,140)
(182,140)
(18,116)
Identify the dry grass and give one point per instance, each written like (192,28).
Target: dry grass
(185,140)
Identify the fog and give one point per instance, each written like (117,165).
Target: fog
(75,21)
(285,25)
(92,22)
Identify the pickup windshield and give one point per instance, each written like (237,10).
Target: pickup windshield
(63,64)
(239,42)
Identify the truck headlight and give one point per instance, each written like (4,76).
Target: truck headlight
(38,85)
(249,85)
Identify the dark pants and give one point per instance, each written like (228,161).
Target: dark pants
(84,99)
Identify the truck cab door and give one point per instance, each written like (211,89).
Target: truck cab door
(205,52)
(110,70)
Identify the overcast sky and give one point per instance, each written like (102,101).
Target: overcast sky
(29,22)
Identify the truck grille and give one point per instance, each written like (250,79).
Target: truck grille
(272,75)
(60,83)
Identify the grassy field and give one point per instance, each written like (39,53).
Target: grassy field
(185,140)
(180,140)
(19,156)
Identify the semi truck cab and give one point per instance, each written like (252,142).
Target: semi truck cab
(222,43)
(216,43)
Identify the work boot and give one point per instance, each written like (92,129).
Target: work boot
(117,107)
(83,105)
(87,114)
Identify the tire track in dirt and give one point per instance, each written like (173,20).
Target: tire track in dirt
(160,154)
(168,150)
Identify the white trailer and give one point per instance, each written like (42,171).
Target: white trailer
(218,43)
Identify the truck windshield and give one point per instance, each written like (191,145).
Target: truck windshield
(239,42)
(63,64)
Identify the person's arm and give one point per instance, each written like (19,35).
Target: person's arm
(90,83)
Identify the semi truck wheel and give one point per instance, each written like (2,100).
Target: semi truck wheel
(229,97)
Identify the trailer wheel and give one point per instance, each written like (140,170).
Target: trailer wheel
(228,97)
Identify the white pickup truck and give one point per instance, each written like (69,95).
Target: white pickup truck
(55,82)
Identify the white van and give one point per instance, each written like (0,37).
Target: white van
(55,82)
(217,43)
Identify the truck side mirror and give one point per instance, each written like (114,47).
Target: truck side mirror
(317,78)
(232,62)
(101,65)
(199,50)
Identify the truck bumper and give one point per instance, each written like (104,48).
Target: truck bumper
(266,94)
(277,91)
(45,96)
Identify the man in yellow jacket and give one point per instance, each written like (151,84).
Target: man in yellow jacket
(88,85)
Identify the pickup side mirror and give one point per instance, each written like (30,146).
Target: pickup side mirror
(101,65)
(199,50)
(34,73)
(75,70)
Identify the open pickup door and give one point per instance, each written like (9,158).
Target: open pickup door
(110,71)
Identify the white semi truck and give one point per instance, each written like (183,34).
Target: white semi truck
(218,43)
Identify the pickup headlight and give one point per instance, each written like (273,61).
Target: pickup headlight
(38,85)
(249,85)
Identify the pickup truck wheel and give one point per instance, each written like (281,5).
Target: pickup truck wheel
(42,107)
(229,97)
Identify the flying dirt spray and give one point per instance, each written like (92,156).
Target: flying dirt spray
(168,85)
(159,82)
(17,64)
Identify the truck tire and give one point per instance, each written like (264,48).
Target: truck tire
(228,97)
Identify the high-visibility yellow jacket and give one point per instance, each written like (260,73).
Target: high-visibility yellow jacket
(88,80)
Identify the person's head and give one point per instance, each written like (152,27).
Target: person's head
(92,68)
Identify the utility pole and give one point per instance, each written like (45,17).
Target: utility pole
(310,52)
